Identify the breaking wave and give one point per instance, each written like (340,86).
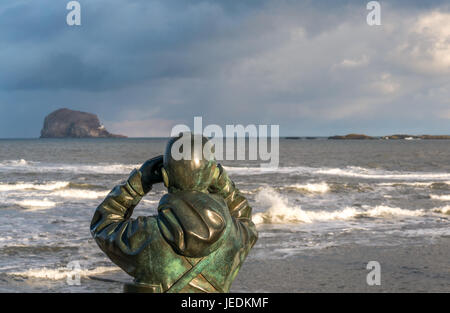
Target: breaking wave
(280,212)
(117,168)
(311,187)
(440,197)
(31,186)
(349,171)
(412,184)
(40,195)
(79,194)
(61,273)
(36,204)
(443,210)
(38,167)
(360,172)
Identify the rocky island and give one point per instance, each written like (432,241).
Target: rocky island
(352,137)
(65,123)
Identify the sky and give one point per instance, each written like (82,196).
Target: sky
(315,68)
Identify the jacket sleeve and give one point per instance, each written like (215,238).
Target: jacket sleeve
(119,236)
(240,210)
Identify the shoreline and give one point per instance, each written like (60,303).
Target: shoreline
(411,268)
(341,269)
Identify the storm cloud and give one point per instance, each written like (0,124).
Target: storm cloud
(313,67)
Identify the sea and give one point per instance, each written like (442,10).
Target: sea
(324,193)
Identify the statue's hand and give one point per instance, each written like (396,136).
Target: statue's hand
(151,173)
(221,183)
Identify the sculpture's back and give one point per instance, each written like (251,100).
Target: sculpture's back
(196,243)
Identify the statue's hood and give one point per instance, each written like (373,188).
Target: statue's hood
(192,222)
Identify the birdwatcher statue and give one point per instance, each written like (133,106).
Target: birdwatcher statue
(199,237)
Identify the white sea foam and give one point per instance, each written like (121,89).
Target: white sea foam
(38,167)
(61,273)
(413,184)
(79,194)
(30,186)
(311,187)
(268,170)
(280,212)
(60,189)
(360,172)
(20,162)
(386,211)
(349,171)
(443,210)
(36,204)
(440,197)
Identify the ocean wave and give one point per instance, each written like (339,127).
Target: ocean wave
(20,162)
(310,187)
(237,170)
(443,210)
(31,186)
(118,168)
(280,212)
(440,197)
(84,186)
(62,187)
(400,184)
(79,194)
(36,204)
(61,273)
(38,167)
(349,171)
(360,172)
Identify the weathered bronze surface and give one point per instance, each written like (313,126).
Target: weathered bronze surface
(198,240)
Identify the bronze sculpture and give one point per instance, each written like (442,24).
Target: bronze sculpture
(198,240)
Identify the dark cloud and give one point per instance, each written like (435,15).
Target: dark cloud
(314,67)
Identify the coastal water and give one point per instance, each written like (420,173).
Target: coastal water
(324,194)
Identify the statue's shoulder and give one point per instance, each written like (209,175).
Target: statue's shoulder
(192,222)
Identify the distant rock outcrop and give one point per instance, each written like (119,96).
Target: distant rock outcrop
(440,137)
(393,137)
(65,123)
(401,136)
(352,136)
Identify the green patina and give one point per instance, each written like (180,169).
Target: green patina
(196,243)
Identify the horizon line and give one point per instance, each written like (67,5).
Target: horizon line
(284,137)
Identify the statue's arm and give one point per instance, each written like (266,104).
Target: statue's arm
(240,209)
(119,236)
